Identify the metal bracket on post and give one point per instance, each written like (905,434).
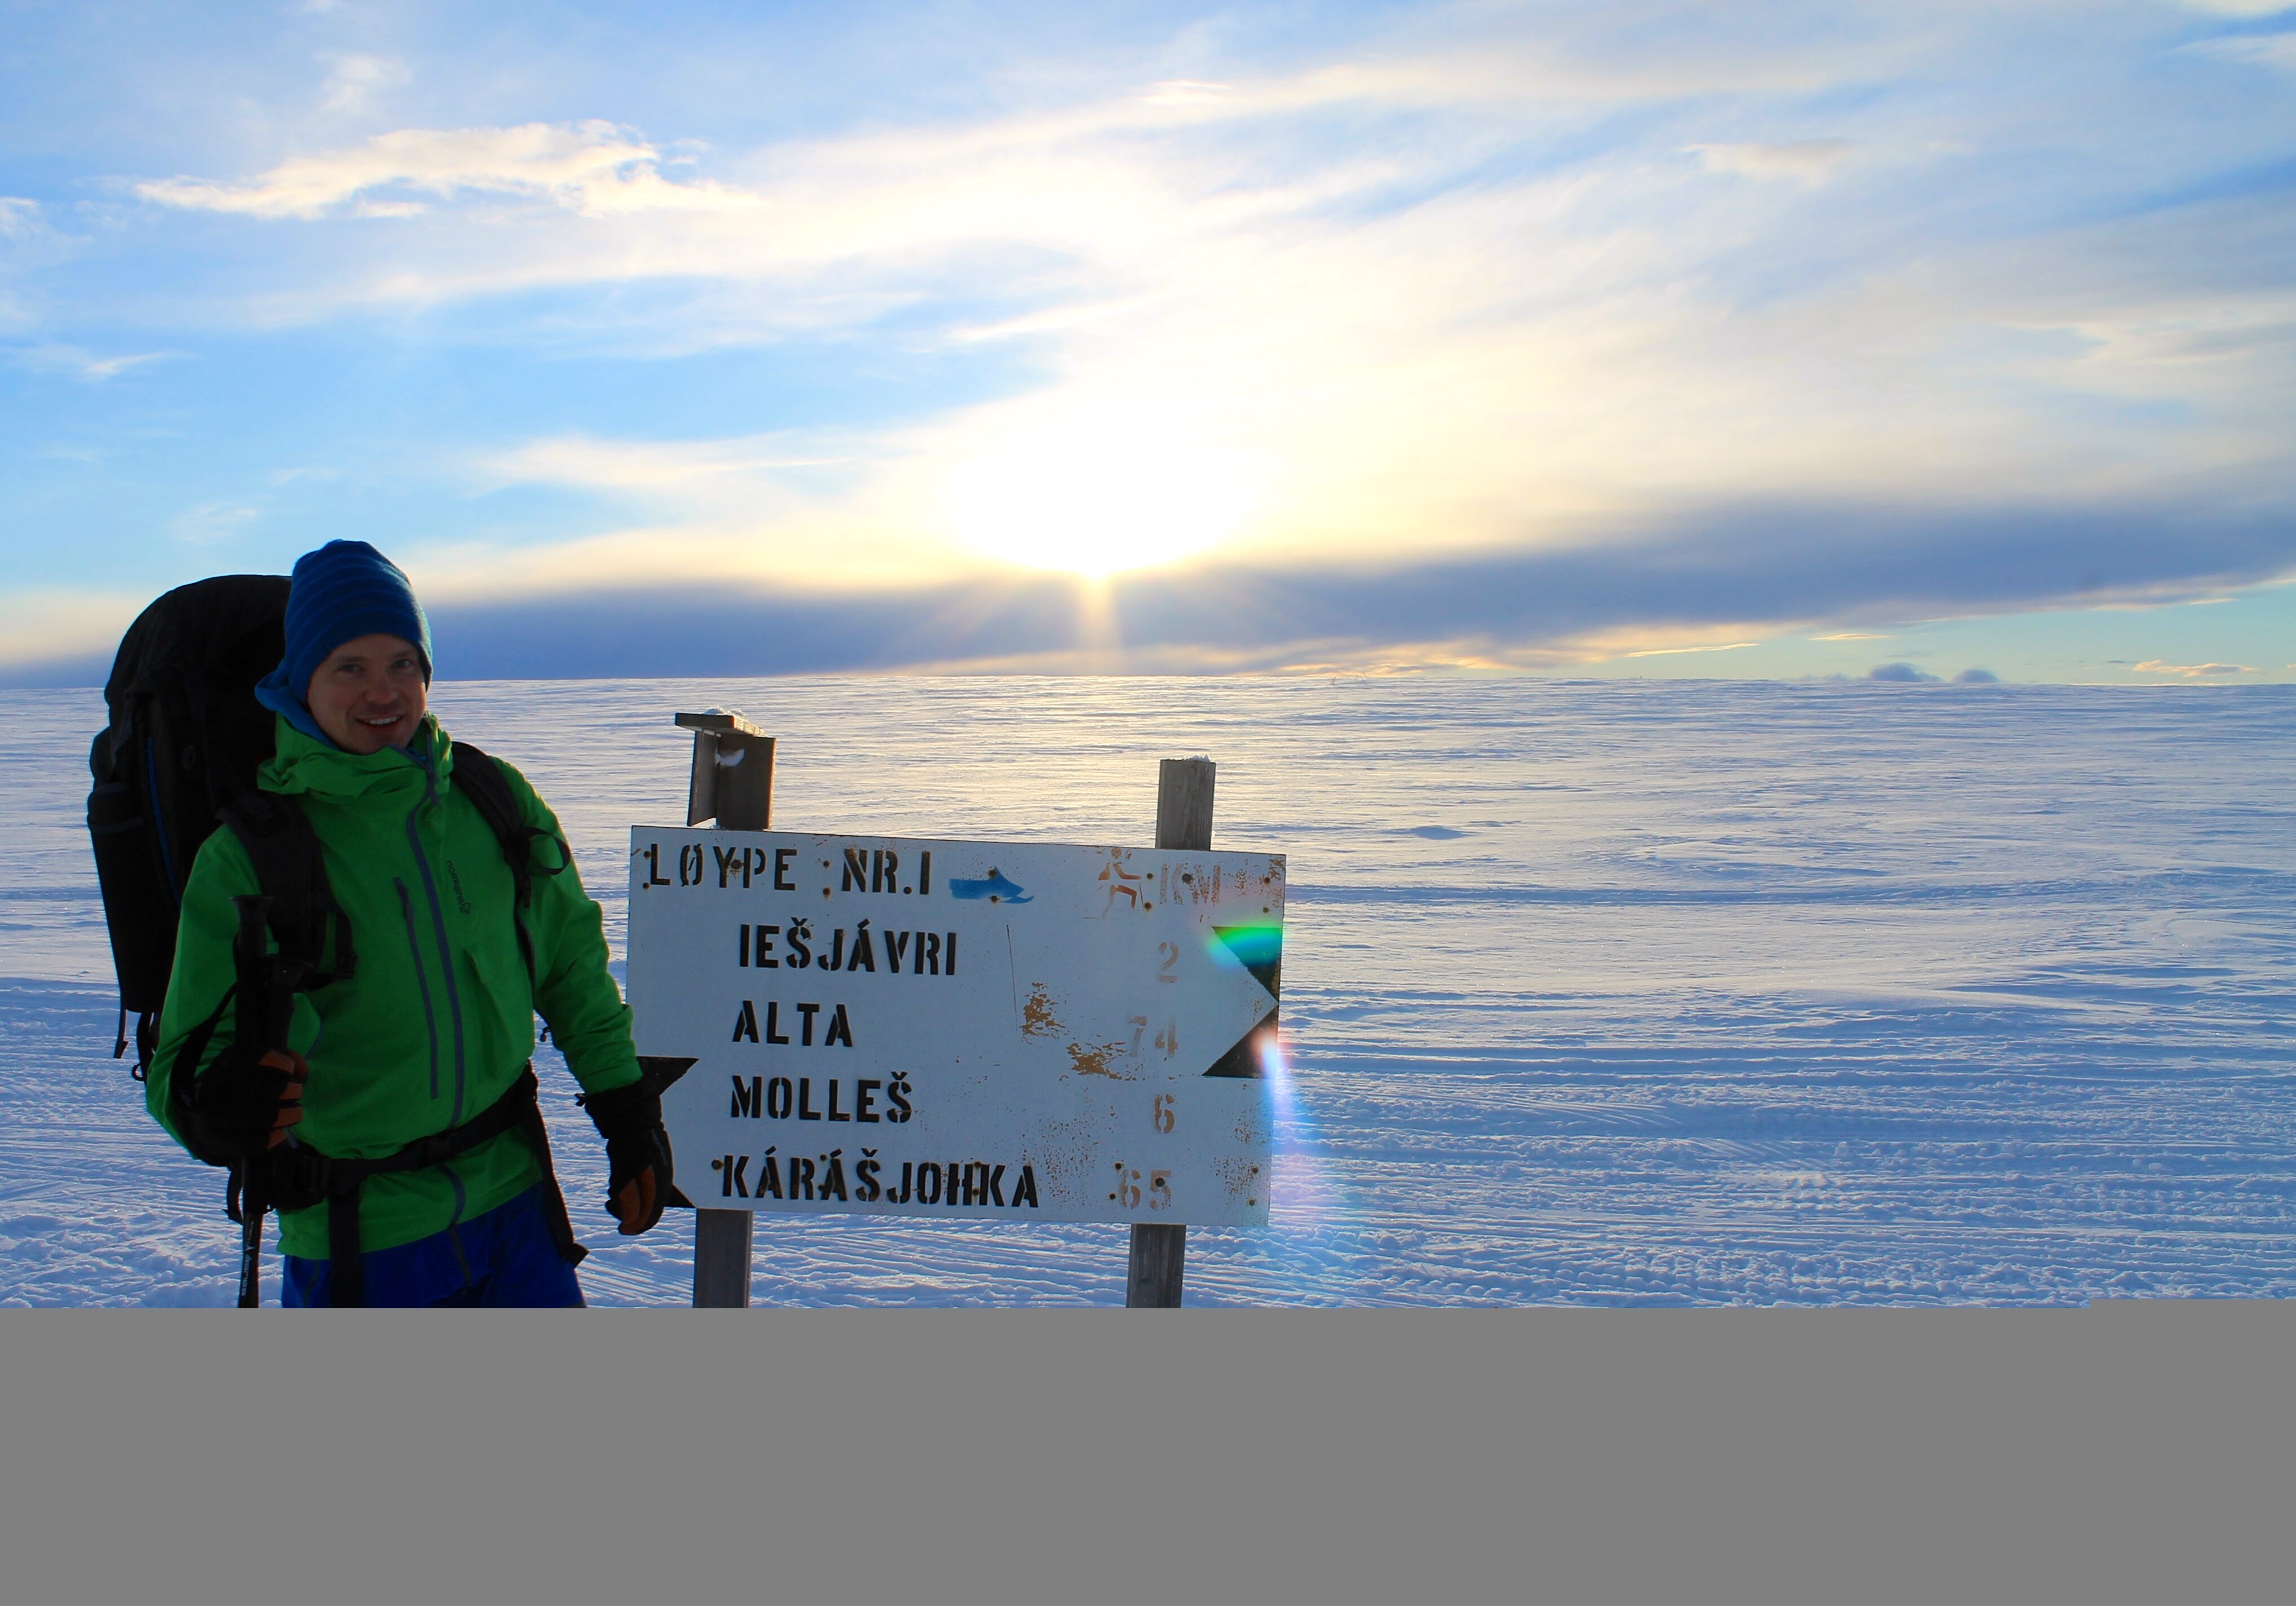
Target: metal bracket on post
(733,779)
(1184,820)
(732,783)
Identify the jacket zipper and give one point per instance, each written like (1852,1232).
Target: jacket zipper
(423,982)
(438,927)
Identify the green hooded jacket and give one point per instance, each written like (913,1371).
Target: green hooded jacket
(438,1019)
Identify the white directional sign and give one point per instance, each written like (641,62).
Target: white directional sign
(989,1030)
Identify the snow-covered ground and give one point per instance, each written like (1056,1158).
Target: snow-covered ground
(1594,992)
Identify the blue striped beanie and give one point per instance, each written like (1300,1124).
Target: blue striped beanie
(342,592)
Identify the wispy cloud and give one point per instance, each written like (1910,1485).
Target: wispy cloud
(681,469)
(81,364)
(2262,50)
(587,168)
(1803,160)
(1673,652)
(305,471)
(355,82)
(211,522)
(2153,666)
(27,243)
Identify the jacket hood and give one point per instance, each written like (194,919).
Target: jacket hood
(274,693)
(303,763)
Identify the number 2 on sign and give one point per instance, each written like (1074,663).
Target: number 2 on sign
(1171,953)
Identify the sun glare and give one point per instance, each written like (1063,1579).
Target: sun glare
(1096,491)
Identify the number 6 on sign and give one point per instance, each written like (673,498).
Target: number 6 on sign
(1164,1117)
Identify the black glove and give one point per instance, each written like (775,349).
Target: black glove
(639,1184)
(245,1102)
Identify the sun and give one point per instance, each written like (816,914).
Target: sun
(1097,489)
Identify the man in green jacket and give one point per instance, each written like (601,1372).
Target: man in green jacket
(433,1030)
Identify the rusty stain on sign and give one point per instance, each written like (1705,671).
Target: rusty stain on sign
(1036,1017)
(1068,1149)
(1094,1061)
(1240,1175)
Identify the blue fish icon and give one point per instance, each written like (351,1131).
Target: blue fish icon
(993,886)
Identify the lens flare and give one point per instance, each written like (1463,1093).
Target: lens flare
(1249,944)
(1306,1199)
(1306,1204)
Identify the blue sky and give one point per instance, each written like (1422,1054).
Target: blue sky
(1577,339)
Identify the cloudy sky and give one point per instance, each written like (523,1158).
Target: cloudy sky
(1624,338)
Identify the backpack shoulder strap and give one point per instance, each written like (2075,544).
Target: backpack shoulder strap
(479,777)
(307,922)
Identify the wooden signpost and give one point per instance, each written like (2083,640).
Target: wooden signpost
(732,783)
(1013,1031)
(1183,819)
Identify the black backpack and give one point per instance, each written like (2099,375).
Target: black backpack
(185,737)
(180,754)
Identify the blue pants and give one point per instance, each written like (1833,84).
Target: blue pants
(503,1257)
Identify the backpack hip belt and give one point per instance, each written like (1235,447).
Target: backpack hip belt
(300,1176)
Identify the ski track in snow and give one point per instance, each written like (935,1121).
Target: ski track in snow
(1594,994)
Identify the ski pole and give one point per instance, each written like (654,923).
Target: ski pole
(251,956)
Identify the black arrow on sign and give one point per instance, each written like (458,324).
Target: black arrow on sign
(663,1069)
(1243,1058)
(660,1070)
